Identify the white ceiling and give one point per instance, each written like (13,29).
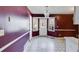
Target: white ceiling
(52,9)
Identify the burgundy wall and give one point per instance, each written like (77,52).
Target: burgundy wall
(37,15)
(19,10)
(35,33)
(64,21)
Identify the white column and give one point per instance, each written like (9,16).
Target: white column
(76,15)
(30,27)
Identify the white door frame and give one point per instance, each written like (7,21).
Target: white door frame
(42,26)
(30,27)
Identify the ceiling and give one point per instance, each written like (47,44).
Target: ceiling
(52,9)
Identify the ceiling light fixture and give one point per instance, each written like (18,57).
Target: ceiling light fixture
(46,12)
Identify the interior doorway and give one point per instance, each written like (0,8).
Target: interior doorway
(43,27)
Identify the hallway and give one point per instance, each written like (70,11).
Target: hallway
(45,44)
(39,29)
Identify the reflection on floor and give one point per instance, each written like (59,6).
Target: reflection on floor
(45,44)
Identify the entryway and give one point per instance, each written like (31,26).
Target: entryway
(43,27)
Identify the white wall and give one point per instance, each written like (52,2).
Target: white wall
(16,22)
(2,21)
(76,15)
(35,23)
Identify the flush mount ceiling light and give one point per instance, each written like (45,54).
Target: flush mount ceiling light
(46,12)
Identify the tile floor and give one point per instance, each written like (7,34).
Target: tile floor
(45,44)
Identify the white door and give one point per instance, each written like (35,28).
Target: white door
(43,27)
